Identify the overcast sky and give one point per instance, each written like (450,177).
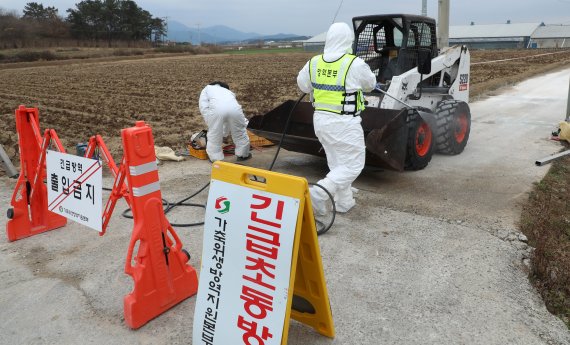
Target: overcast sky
(310,17)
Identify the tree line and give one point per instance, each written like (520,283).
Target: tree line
(99,21)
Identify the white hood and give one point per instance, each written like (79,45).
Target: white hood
(339,41)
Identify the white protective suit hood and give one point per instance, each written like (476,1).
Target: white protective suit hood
(338,42)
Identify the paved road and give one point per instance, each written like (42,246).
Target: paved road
(429,257)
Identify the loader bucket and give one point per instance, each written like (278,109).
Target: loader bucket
(385,133)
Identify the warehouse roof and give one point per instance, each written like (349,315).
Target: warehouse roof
(320,38)
(552,31)
(482,31)
(493,30)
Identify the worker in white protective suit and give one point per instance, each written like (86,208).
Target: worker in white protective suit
(336,80)
(220,109)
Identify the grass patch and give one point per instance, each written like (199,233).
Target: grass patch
(29,56)
(545,220)
(265,51)
(127,52)
(189,49)
(26,55)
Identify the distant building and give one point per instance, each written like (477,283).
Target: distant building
(315,43)
(490,36)
(551,36)
(493,36)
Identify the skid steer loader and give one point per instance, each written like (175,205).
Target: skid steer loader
(420,104)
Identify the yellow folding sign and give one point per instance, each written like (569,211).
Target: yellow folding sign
(261,262)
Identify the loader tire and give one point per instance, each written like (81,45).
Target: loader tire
(453,126)
(420,142)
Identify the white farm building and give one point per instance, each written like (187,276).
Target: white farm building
(490,36)
(551,36)
(493,36)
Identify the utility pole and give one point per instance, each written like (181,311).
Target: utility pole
(165,19)
(443,24)
(424,8)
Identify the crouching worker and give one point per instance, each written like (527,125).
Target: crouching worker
(219,107)
(336,80)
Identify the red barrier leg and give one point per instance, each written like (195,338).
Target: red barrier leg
(29,214)
(162,277)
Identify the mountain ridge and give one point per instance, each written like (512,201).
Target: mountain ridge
(218,34)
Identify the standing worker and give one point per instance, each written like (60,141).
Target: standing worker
(219,107)
(337,79)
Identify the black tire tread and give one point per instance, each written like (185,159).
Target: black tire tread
(412,161)
(444,139)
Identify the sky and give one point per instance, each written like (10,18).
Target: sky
(311,17)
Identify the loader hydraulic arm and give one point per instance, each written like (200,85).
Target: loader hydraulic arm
(454,62)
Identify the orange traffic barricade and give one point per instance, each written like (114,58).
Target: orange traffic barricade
(29,214)
(161,273)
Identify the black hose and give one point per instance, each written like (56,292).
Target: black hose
(169,207)
(326,228)
(285,131)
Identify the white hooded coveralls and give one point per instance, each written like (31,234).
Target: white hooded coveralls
(219,106)
(342,136)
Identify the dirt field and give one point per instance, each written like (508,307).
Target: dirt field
(447,267)
(82,98)
(430,257)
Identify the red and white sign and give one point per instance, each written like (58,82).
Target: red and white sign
(246,266)
(74,188)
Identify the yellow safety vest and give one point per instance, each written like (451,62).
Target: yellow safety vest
(329,84)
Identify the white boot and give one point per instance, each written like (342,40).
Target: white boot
(320,199)
(344,200)
(319,207)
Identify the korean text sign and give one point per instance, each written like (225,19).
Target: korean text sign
(74,188)
(246,266)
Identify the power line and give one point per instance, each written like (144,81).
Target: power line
(337,10)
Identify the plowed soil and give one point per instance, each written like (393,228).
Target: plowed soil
(81,98)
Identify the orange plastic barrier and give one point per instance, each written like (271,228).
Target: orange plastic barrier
(161,274)
(162,277)
(29,214)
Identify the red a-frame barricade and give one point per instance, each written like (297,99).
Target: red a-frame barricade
(29,214)
(161,273)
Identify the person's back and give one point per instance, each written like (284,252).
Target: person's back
(220,101)
(219,106)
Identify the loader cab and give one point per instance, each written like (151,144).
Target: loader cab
(390,44)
